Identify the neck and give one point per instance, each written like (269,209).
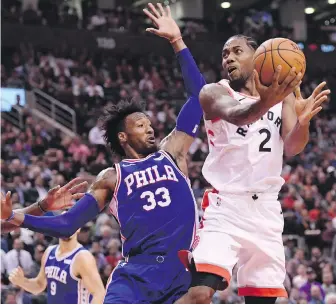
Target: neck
(132,154)
(249,87)
(67,246)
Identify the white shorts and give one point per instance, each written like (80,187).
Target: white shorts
(237,229)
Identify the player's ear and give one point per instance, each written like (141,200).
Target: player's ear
(122,136)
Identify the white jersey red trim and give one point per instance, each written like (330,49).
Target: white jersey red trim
(246,158)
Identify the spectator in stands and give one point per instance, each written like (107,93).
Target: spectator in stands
(301,277)
(328,280)
(18,257)
(307,288)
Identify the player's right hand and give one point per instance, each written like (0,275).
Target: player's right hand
(6,205)
(60,198)
(17,277)
(277,92)
(162,19)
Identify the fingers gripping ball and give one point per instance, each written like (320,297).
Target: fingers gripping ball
(275,52)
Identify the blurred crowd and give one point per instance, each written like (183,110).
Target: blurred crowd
(38,157)
(87,15)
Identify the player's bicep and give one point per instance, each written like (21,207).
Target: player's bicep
(217,102)
(288,116)
(41,277)
(102,188)
(85,267)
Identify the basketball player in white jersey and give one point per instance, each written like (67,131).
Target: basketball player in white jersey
(249,128)
(69,272)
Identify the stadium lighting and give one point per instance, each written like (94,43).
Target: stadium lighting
(225,4)
(331,1)
(309,10)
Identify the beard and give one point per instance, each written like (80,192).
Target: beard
(237,84)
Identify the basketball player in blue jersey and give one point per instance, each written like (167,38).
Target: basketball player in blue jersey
(69,272)
(148,191)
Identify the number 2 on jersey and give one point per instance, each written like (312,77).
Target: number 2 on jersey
(160,197)
(265,141)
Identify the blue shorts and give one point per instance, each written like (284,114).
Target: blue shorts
(156,281)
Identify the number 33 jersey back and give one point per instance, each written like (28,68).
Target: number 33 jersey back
(245,158)
(154,205)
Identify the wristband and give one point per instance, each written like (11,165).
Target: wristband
(40,206)
(10,217)
(175,39)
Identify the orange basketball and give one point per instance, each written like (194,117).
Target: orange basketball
(278,51)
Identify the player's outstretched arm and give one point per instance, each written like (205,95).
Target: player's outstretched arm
(72,190)
(168,29)
(85,267)
(65,225)
(296,115)
(217,101)
(34,285)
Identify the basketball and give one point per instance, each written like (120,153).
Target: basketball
(278,51)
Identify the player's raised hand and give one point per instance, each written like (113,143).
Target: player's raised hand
(277,92)
(162,19)
(307,108)
(17,276)
(6,205)
(60,198)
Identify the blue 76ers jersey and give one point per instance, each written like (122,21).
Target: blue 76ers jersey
(63,287)
(155,206)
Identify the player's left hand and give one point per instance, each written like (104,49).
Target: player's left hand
(162,19)
(6,205)
(60,198)
(17,277)
(307,108)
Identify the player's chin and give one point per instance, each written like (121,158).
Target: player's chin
(66,238)
(151,147)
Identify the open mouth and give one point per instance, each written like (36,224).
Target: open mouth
(231,69)
(151,140)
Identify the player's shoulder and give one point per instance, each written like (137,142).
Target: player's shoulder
(107,172)
(105,179)
(84,257)
(210,90)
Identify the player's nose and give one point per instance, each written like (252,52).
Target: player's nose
(150,130)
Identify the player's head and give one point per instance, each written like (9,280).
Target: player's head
(127,128)
(237,58)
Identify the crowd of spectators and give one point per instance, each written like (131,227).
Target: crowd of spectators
(87,15)
(38,157)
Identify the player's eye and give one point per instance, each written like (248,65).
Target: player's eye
(239,51)
(141,125)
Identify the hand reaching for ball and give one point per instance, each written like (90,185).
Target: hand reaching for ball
(277,92)
(307,108)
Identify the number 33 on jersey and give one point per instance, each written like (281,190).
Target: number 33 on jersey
(154,205)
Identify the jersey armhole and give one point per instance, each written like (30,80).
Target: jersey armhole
(71,266)
(172,158)
(48,251)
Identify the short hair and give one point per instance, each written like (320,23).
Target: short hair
(112,122)
(251,42)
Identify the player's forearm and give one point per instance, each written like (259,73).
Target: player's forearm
(63,225)
(192,77)
(244,114)
(296,140)
(33,209)
(32,285)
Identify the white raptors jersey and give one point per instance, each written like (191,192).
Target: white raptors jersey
(247,158)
